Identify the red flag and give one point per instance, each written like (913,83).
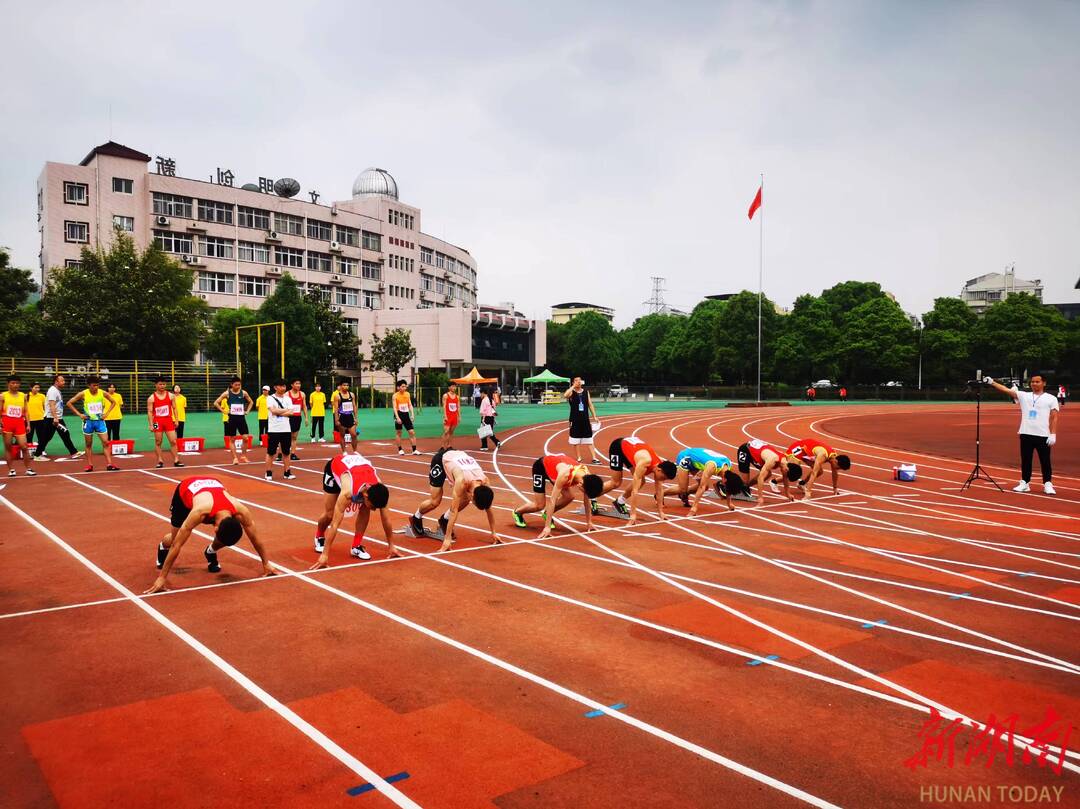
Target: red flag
(755,204)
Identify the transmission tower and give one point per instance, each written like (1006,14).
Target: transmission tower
(656,301)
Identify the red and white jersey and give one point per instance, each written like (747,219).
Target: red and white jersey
(803,449)
(190,487)
(163,406)
(460,465)
(357,467)
(755,446)
(296,402)
(632,446)
(451,409)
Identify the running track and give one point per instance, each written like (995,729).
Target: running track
(473,672)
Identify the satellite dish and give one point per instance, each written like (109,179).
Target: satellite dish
(250,187)
(286,187)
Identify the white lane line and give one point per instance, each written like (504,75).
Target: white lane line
(592,704)
(226,668)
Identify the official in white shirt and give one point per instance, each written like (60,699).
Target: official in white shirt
(1038,428)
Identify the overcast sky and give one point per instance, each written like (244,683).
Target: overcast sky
(576,149)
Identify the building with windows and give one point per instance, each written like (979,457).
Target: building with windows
(984,291)
(366,255)
(565,312)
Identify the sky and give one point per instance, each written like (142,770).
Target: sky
(578,149)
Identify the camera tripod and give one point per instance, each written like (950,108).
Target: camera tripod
(977,472)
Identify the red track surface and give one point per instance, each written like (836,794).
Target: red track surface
(472,671)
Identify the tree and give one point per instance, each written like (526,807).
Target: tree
(123,303)
(808,343)
(735,355)
(847,295)
(689,349)
(948,331)
(641,341)
(592,349)
(220,343)
(306,353)
(393,351)
(1019,334)
(21,326)
(342,344)
(877,342)
(556,346)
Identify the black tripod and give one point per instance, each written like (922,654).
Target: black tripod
(977,472)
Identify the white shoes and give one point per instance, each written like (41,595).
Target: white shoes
(320,544)
(1022,486)
(1048,488)
(416,452)
(400,451)
(359,552)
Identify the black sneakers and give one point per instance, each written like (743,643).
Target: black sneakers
(417,524)
(162,552)
(685,499)
(622,508)
(211,561)
(443,522)
(289,475)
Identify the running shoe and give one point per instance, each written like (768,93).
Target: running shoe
(89,468)
(159,465)
(294,457)
(685,498)
(42,455)
(1048,487)
(111,468)
(320,544)
(594,507)
(774,486)
(162,552)
(417,524)
(30,473)
(359,552)
(400,451)
(269,475)
(443,522)
(519,521)
(746,497)
(289,475)
(178,463)
(718,487)
(622,508)
(11,473)
(1022,486)
(212,565)
(79,454)
(416,452)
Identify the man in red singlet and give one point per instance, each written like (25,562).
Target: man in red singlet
(203,500)
(161,415)
(815,454)
(634,454)
(350,481)
(765,457)
(565,474)
(451,404)
(298,416)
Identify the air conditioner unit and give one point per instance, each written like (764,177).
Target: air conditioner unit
(423,294)
(382,285)
(335,308)
(196,225)
(335,246)
(336,279)
(162,220)
(204,296)
(273,236)
(191,259)
(333,209)
(273,270)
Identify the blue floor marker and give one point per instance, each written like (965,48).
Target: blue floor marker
(1025,575)
(758,662)
(872,624)
(959,595)
(390,779)
(618,706)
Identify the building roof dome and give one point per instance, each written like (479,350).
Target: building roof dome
(374,181)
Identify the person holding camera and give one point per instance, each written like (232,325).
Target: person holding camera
(1038,428)
(582,418)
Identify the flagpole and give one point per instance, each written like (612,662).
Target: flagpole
(761,272)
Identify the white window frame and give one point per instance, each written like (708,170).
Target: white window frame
(344,296)
(171,205)
(371,241)
(123,221)
(319,262)
(317,229)
(289,224)
(255,252)
(257,217)
(210,281)
(254,286)
(71,185)
(85,229)
(216,247)
(175,243)
(347,235)
(210,210)
(126,186)
(288,257)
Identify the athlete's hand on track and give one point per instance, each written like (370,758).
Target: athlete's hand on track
(693,511)
(632,520)
(157,587)
(268,570)
(321,562)
(545,533)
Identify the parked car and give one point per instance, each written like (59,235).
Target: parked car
(823,383)
(892,384)
(617,391)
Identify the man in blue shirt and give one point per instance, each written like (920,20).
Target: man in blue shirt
(702,464)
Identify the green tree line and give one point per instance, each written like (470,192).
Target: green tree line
(852,332)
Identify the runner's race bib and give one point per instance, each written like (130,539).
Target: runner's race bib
(236,409)
(162,410)
(346,407)
(451,406)
(201,485)
(14,411)
(403,408)
(94,408)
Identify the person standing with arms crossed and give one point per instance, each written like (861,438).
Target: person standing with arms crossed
(297,417)
(451,406)
(54,420)
(279,431)
(1038,428)
(582,417)
(317,400)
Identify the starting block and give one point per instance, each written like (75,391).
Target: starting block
(193,445)
(123,447)
(241,443)
(906,472)
(606,512)
(410,532)
(337,437)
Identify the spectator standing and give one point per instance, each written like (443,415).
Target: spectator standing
(264,415)
(317,400)
(114,413)
(35,410)
(582,415)
(54,420)
(477,395)
(1062,396)
(279,430)
(1038,428)
(843,394)
(487,416)
(180,400)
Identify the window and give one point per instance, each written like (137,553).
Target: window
(215,248)
(76,193)
(78,232)
(253,218)
(210,211)
(427,255)
(173,242)
(126,223)
(216,282)
(258,253)
(372,241)
(371,270)
(346,297)
(325,293)
(372,300)
(172,205)
(254,287)
(288,257)
(293,225)
(320,262)
(319,230)
(72,262)
(122,186)
(402,220)
(425,282)
(345,235)
(352,324)
(440,260)
(346,266)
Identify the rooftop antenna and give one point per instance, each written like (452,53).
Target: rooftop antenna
(656,301)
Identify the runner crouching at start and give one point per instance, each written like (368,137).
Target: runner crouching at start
(468,483)
(351,480)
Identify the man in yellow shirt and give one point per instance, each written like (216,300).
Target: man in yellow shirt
(403,416)
(180,402)
(264,414)
(35,410)
(113,413)
(317,402)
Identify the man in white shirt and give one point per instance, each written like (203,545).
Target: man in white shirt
(54,420)
(1038,428)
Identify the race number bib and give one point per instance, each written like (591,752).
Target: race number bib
(403,408)
(13,411)
(346,407)
(94,409)
(202,485)
(467,462)
(296,409)
(236,409)
(162,410)
(451,407)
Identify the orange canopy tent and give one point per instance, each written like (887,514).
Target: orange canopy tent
(474,378)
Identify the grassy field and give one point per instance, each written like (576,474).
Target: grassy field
(379,424)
